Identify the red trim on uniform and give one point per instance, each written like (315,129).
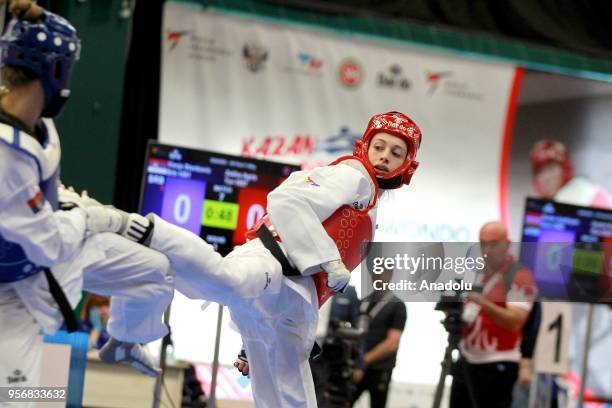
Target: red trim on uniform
(370,170)
(507,144)
(36,203)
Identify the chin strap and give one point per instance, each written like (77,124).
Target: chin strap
(389,184)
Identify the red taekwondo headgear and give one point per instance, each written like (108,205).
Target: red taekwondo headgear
(551,151)
(396,124)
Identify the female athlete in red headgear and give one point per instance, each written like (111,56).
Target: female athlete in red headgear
(297,256)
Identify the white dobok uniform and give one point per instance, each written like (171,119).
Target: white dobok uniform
(106,264)
(276,315)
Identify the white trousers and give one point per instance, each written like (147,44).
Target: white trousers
(141,284)
(20,345)
(137,278)
(275,315)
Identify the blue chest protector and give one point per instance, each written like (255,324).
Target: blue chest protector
(14,264)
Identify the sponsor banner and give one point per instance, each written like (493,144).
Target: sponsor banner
(284,93)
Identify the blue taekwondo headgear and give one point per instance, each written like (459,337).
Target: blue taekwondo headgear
(49,49)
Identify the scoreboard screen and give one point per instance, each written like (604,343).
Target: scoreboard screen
(569,250)
(216,196)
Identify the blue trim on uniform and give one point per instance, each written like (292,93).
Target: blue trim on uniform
(20,149)
(16,137)
(15,265)
(49,189)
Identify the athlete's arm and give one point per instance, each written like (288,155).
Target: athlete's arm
(47,237)
(298,207)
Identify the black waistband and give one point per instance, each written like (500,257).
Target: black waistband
(62,302)
(267,239)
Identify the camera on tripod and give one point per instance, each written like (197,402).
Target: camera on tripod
(341,350)
(452,304)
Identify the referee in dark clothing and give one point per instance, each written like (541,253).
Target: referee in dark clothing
(387,320)
(520,395)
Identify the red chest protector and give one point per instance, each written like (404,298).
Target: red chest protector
(347,227)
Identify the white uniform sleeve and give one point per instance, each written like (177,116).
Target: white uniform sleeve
(47,237)
(299,205)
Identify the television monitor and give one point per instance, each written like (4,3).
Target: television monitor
(216,196)
(569,249)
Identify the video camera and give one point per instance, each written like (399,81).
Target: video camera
(452,304)
(341,351)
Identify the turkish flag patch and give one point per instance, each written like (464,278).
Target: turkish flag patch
(36,203)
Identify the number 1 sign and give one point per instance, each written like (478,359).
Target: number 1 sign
(552,347)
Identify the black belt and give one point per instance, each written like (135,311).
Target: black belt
(62,302)
(267,239)
(316,352)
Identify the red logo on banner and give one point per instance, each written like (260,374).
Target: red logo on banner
(174,37)
(310,61)
(278,146)
(433,79)
(350,73)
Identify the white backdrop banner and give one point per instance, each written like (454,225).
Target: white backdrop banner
(243,86)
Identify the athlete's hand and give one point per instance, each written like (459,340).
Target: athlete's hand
(338,276)
(68,198)
(242,364)
(132,226)
(106,219)
(89,201)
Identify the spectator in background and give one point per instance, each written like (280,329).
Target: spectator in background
(488,367)
(387,321)
(342,307)
(520,396)
(554,179)
(94,319)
